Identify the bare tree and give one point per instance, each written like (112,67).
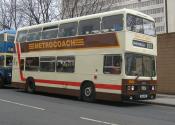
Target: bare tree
(38,11)
(10,16)
(75,8)
(17,13)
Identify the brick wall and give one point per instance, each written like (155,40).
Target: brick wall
(166,63)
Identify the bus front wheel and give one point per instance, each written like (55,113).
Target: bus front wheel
(30,85)
(88,92)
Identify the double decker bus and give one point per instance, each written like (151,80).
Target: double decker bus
(7,38)
(107,56)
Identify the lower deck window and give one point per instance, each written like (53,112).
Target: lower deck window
(32,64)
(65,64)
(22,64)
(47,64)
(9,60)
(112,64)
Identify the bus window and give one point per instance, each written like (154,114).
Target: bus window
(112,64)
(22,64)
(34,34)
(10,38)
(65,64)
(22,35)
(112,23)
(47,64)
(90,26)
(140,25)
(68,29)
(9,60)
(1,60)
(50,32)
(32,64)
(2,37)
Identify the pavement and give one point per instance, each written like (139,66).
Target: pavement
(162,99)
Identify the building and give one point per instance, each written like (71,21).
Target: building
(166,63)
(161,10)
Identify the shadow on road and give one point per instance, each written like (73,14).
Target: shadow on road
(101,102)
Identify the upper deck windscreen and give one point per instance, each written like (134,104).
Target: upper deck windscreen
(140,25)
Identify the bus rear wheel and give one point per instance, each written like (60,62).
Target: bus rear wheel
(88,92)
(30,85)
(1,82)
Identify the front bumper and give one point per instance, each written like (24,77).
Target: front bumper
(139,90)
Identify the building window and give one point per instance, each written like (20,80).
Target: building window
(112,64)
(47,64)
(68,29)
(90,26)
(32,64)
(116,23)
(65,64)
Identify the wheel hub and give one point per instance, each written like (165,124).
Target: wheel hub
(88,91)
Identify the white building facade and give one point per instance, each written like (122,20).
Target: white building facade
(163,11)
(154,8)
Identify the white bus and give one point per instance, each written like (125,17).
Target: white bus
(108,56)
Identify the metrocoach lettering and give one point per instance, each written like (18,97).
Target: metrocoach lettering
(56,44)
(98,40)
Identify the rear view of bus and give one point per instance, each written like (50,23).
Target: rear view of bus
(6,56)
(109,56)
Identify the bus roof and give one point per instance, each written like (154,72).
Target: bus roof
(108,13)
(8,31)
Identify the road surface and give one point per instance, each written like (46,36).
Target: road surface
(20,108)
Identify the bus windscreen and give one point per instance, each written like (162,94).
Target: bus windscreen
(140,25)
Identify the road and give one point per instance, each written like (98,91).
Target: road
(20,108)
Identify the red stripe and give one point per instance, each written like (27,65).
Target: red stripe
(58,82)
(77,84)
(108,86)
(19,61)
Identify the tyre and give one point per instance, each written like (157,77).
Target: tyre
(88,92)
(1,82)
(30,85)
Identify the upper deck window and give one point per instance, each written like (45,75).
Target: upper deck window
(22,35)
(34,34)
(50,32)
(10,38)
(90,26)
(68,29)
(1,37)
(140,25)
(112,23)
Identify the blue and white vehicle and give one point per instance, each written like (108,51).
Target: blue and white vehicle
(6,56)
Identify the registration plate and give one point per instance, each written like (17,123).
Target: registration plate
(143,96)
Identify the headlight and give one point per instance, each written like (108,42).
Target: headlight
(153,88)
(131,88)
